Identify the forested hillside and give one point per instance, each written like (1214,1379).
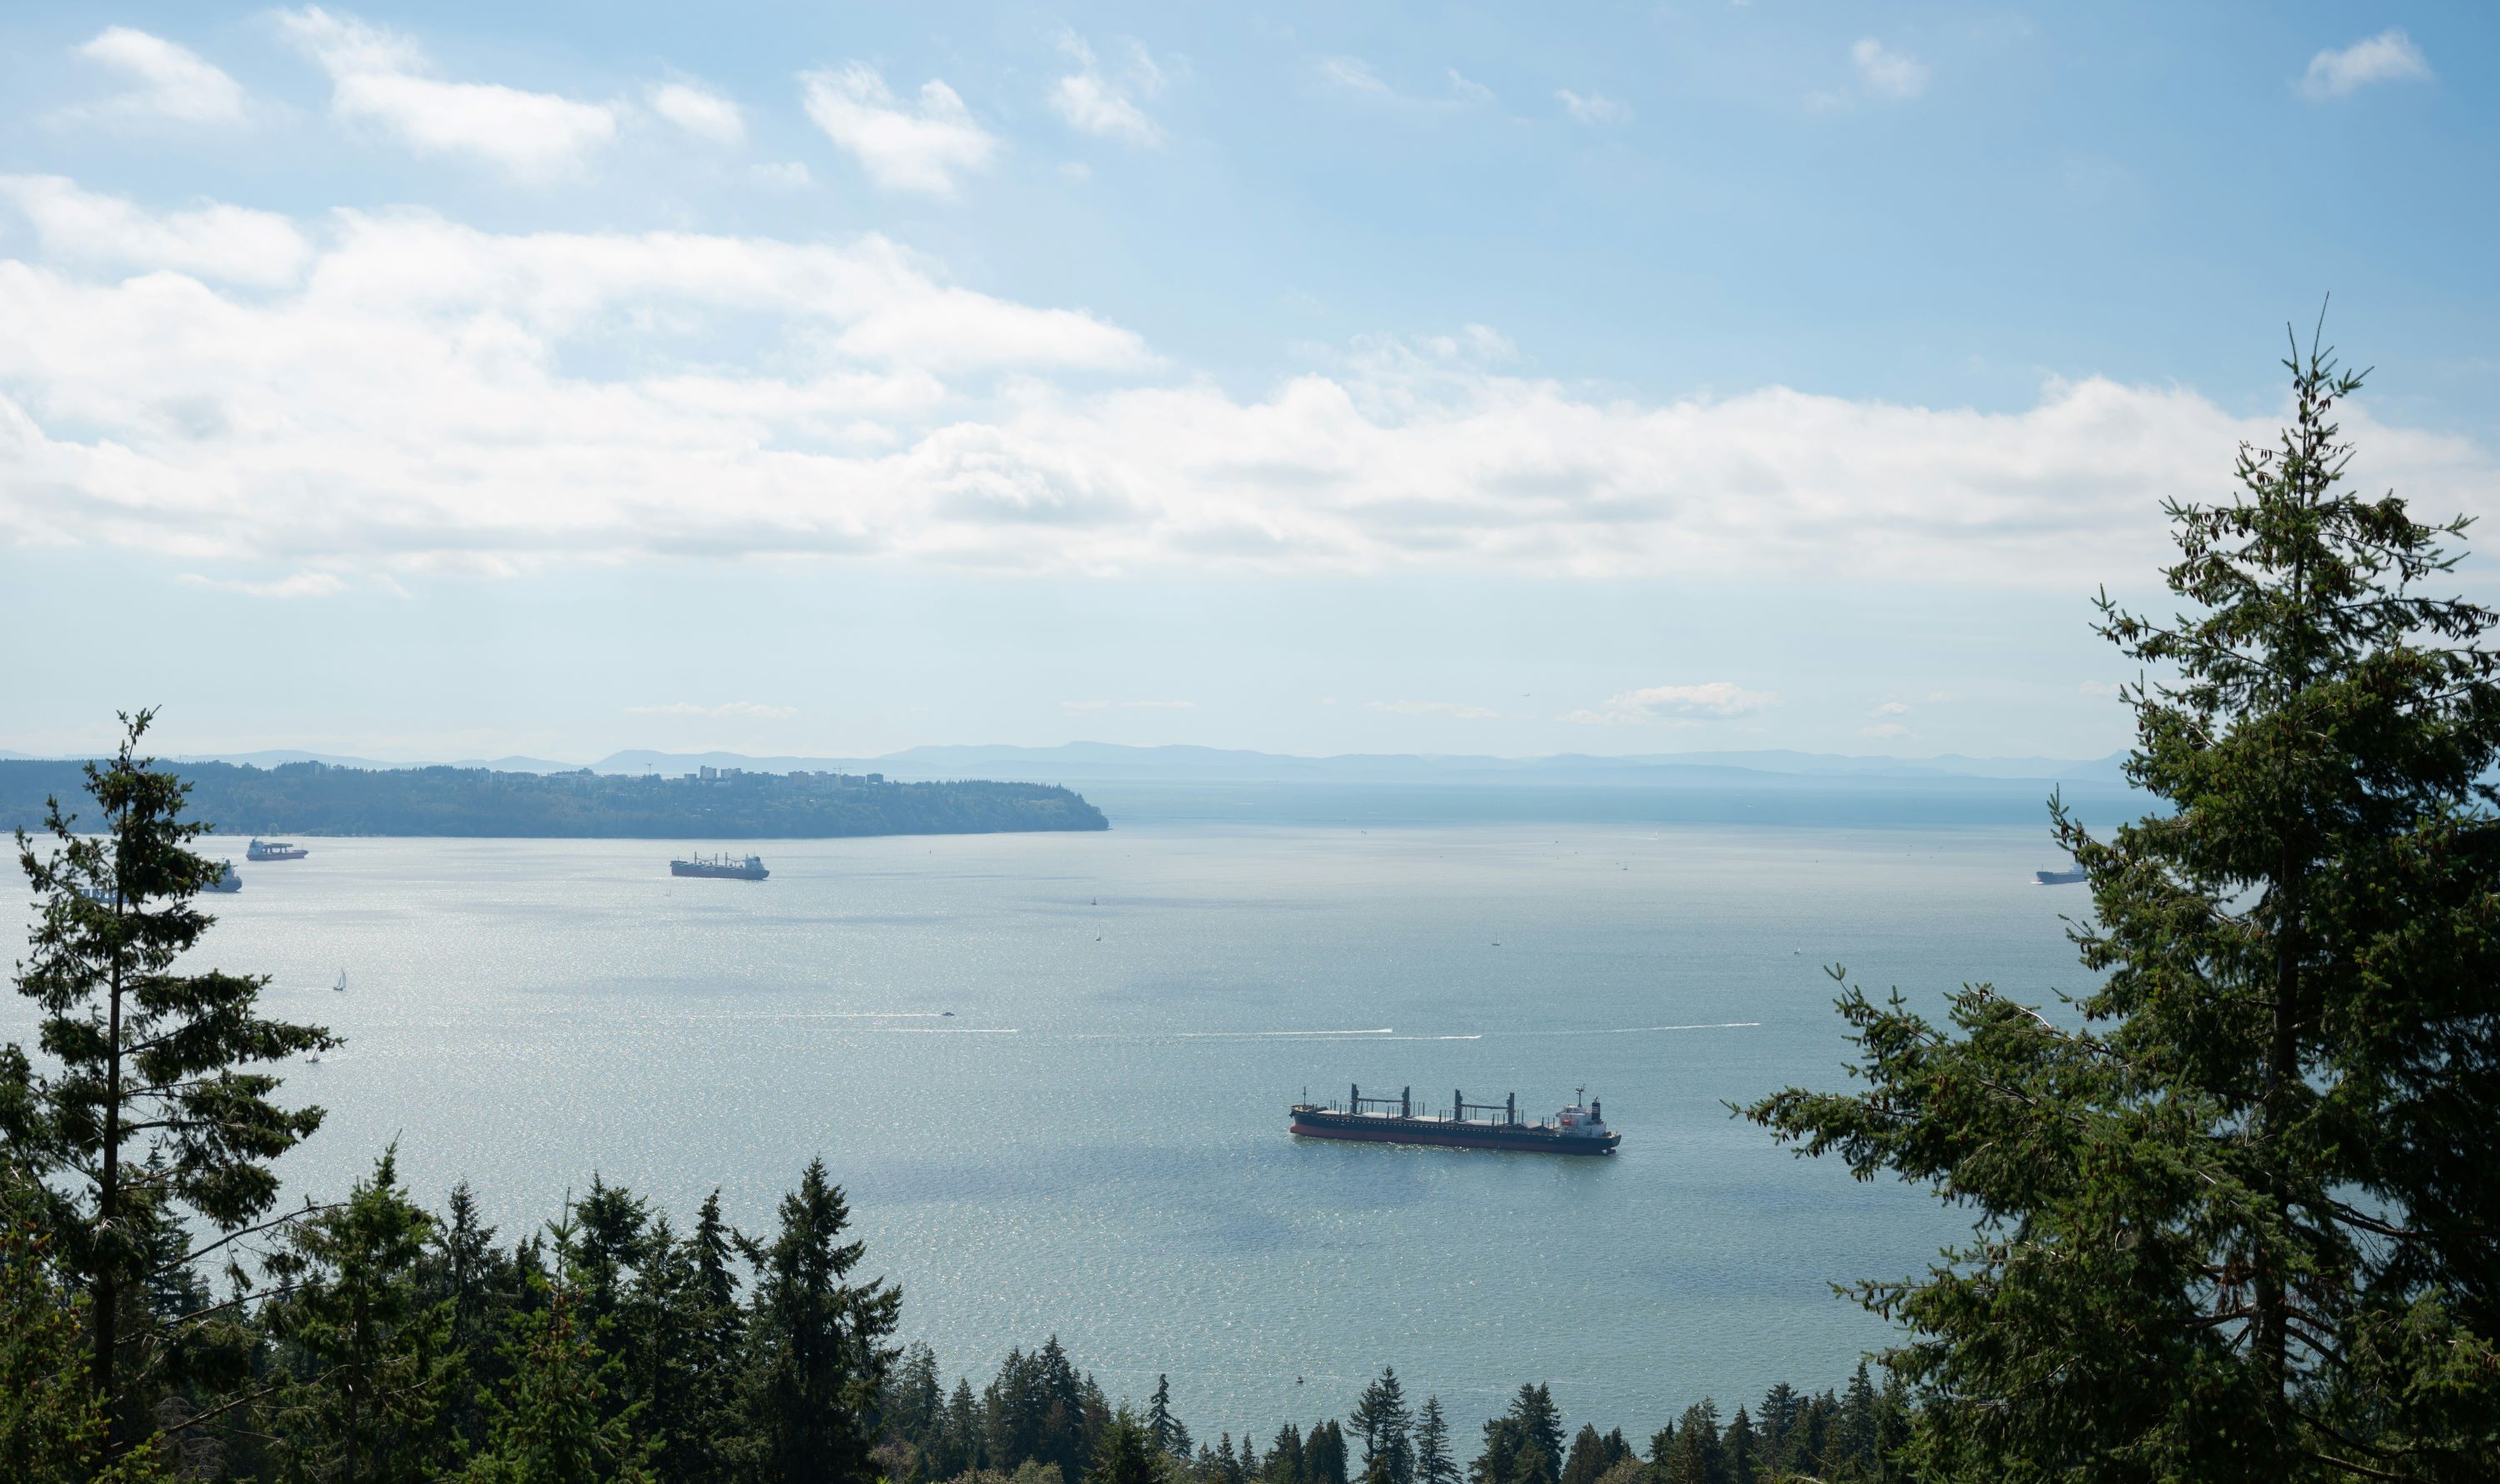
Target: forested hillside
(315,799)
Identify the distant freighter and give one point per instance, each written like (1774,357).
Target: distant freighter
(1575,1130)
(720,868)
(224,880)
(2057,877)
(274,850)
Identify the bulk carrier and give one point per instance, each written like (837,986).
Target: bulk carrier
(274,850)
(1575,1130)
(720,868)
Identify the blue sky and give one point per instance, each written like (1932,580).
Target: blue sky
(442,381)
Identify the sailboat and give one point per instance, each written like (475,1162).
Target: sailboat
(340,987)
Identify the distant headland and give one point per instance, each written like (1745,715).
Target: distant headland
(705,802)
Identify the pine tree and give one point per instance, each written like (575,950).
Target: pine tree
(820,1353)
(1698,1455)
(2238,1224)
(1743,1449)
(146,1057)
(1324,1455)
(1434,1463)
(1162,1429)
(51,1419)
(1587,1461)
(375,1354)
(551,1423)
(1285,1461)
(1382,1420)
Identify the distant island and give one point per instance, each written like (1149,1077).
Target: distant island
(706,804)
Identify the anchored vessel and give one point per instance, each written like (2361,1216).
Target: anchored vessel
(720,868)
(2057,877)
(1575,1130)
(274,850)
(224,880)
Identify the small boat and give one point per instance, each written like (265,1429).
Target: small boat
(340,987)
(2057,877)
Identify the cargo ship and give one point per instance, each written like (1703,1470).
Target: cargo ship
(2057,877)
(1575,1130)
(720,868)
(274,850)
(224,880)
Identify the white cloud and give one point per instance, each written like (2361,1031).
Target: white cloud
(216,242)
(1470,91)
(1355,78)
(2099,688)
(1456,711)
(704,114)
(1128,706)
(383,79)
(751,710)
(1892,708)
(422,394)
(2390,56)
(302,584)
(1094,102)
(1712,700)
(780,174)
(170,80)
(1593,108)
(901,146)
(1886,73)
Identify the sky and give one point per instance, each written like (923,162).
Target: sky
(455,381)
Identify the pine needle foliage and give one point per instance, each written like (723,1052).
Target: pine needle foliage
(2234,1220)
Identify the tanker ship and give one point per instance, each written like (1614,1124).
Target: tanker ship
(1575,1130)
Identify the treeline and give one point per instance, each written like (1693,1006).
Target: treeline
(316,799)
(373,1340)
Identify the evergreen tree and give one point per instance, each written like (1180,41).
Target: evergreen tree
(1324,1455)
(376,1356)
(1126,1455)
(1434,1463)
(1743,1449)
(52,1418)
(819,1340)
(959,1449)
(1587,1462)
(551,1423)
(149,1062)
(2238,1224)
(1162,1429)
(1698,1455)
(1384,1423)
(1778,1416)
(1285,1461)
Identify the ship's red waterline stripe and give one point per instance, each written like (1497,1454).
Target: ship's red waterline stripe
(1414,1136)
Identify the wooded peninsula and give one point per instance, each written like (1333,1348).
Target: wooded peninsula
(318,798)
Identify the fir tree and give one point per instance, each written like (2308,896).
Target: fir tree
(52,1418)
(1383,1422)
(1743,1449)
(1324,1455)
(150,1061)
(376,1354)
(1126,1455)
(820,1353)
(552,1423)
(1285,1461)
(1434,1463)
(1698,1455)
(2238,1223)
(1587,1462)
(1162,1429)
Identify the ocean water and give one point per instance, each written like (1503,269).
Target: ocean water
(1093,1143)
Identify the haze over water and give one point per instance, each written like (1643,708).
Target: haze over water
(1094,1142)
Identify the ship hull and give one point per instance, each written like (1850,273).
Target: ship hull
(716,873)
(1442,1134)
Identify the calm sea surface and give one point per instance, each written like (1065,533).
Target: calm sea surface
(1094,1142)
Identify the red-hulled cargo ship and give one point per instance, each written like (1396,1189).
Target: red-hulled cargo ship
(1575,1130)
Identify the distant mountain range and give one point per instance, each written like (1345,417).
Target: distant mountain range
(1112,762)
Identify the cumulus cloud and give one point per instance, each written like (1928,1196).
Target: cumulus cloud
(1107,105)
(1593,108)
(918,146)
(1127,706)
(1454,710)
(221,242)
(422,394)
(1886,73)
(168,80)
(751,710)
(383,80)
(2390,56)
(704,114)
(1712,700)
